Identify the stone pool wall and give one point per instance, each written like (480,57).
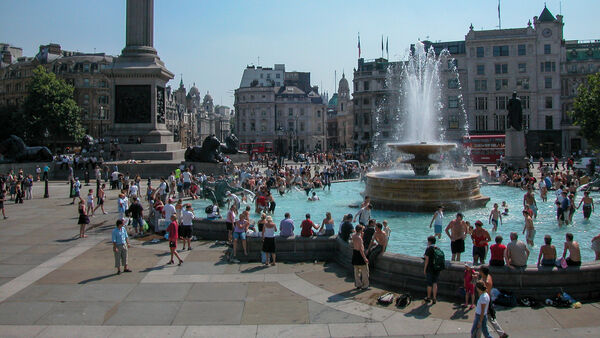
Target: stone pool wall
(405,273)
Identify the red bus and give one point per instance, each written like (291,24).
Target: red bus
(485,149)
(257,147)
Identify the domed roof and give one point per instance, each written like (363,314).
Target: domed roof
(343,85)
(333,101)
(194,91)
(207,97)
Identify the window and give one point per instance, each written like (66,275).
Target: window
(452,122)
(548,122)
(522,68)
(480,52)
(103,99)
(480,69)
(548,102)
(521,50)
(102,84)
(481,122)
(525,102)
(277,76)
(481,103)
(301,126)
(452,83)
(501,84)
(499,122)
(525,121)
(523,83)
(365,101)
(366,85)
(319,112)
(501,68)
(86,99)
(291,125)
(86,67)
(366,118)
(252,126)
(452,101)
(548,66)
(301,111)
(261,75)
(480,85)
(86,82)
(500,50)
(290,111)
(501,102)
(263,113)
(547,49)
(268,76)
(548,82)
(243,126)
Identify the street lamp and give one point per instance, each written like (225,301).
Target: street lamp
(290,133)
(101,117)
(280,132)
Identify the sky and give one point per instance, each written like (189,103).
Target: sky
(211,42)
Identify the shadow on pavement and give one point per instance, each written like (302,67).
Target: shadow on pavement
(95,279)
(420,312)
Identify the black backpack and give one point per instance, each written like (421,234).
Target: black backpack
(209,209)
(403,300)
(439,261)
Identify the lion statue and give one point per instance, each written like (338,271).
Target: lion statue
(231,145)
(87,143)
(14,149)
(209,152)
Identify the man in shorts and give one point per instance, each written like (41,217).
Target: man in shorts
(230,220)
(136,211)
(430,273)
(187,218)
(457,231)
(438,221)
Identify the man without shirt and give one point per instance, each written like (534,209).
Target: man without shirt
(572,246)
(457,231)
(378,245)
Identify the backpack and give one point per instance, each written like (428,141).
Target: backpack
(403,300)
(209,209)
(439,262)
(386,299)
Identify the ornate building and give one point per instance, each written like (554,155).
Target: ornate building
(340,126)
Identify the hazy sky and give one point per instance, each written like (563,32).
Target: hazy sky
(211,42)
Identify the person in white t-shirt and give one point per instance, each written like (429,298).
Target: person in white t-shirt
(185,231)
(187,181)
(480,321)
(169,210)
(133,190)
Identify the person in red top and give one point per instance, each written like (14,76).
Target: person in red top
(497,252)
(173,232)
(480,238)
(307,227)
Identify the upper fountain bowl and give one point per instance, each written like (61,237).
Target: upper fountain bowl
(422,148)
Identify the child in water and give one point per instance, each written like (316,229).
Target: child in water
(505,207)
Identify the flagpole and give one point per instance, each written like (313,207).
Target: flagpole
(499,20)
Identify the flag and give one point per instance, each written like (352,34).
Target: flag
(359,45)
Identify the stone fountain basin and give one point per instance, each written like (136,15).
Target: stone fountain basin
(422,149)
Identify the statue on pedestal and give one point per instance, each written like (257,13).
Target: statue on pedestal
(515,113)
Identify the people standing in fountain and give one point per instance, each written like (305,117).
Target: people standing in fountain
(529,228)
(480,238)
(495,216)
(359,260)
(529,202)
(572,246)
(363,215)
(564,209)
(588,205)
(438,221)
(516,253)
(368,233)
(547,256)
(457,231)
(377,246)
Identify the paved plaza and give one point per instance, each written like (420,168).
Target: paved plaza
(55,285)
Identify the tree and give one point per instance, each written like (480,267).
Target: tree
(50,114)
(586,110)
(12,121)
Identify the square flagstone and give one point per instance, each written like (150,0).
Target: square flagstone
(200,268)
(148,331)
(276,312)
(218,291)
(23,313)
(205,256)
(305,330)
(210,331)
(68,331)
(10,248)
(271,291)
(45,292)
(17,331)
(209,313)
(159,291)
(357,330)
(511,320)
(77,313)
(102,292)
(47,249)
(144,313)
(322,314)
(63,276)
(4,280)
(570,318)
(25,258)
(12,270)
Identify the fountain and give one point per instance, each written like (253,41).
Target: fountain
(422,190)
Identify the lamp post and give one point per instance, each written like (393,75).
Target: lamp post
(101,117)
(290,133)
(280,132)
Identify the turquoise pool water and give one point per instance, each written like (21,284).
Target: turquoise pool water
(410,230)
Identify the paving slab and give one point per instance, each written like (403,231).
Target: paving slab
(321,314)
(76,331)
(400,324)
(148,331)
(18,331)
(77,313)
(200,268)
(210,331)
(14,270)
(25,259)
(570,318)
(536,319)
(46,292)
(209,313)
(309,330)
(268,291)
(276,312)
(144,313)
(212,291)
(23,313)
(357,330)
(205,256)
(159,291)
(102,292)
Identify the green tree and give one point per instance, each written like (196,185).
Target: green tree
(586,110)
(12,121)
(50,113)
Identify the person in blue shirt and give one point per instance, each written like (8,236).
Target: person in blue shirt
(120,241)
(286,226)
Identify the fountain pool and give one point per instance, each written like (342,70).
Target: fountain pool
(410,229)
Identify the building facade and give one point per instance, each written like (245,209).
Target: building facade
(293,119)
(340,126)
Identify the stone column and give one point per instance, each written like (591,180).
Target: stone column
(139,38)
